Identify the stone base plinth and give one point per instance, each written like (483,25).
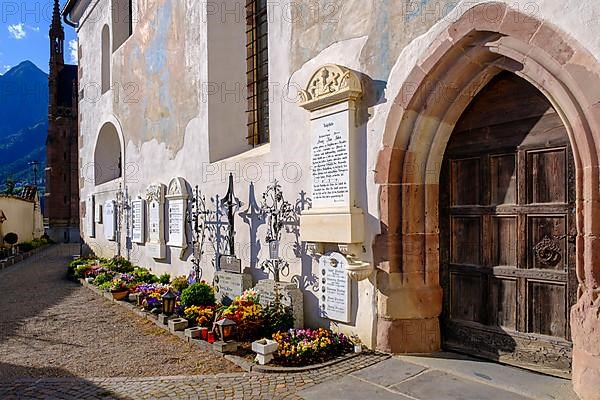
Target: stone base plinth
(586,375)
(332,226)
(225,347)
(585,329)
(177,324)
(164,319)
(408,335)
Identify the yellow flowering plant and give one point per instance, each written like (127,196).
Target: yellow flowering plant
(201,315)
(309,346)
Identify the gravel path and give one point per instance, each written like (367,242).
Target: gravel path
(51,327)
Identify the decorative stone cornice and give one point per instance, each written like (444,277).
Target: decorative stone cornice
(331,84)
(155,192)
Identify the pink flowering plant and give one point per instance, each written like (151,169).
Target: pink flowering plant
(310,346)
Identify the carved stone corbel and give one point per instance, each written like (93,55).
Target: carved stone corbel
(358,270)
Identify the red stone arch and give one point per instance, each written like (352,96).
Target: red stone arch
(487,39)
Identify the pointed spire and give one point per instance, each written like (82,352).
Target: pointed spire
(56,26)
(57,37)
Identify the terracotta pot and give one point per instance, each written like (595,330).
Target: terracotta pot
(120,295)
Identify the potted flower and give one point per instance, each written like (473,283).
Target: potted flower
(119,288)
(358,346)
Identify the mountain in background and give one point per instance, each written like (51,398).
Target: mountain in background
(23,123)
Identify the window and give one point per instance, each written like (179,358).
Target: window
(122,22)
(106,54)
(257,71)
(108,163)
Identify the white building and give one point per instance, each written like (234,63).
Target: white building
(473,237)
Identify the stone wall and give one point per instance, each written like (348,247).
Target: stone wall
(21,218)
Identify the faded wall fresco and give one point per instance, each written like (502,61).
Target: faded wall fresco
(155,84)
(389,24)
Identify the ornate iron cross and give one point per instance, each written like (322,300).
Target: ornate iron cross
(230,203)
(278,212)
(198,219)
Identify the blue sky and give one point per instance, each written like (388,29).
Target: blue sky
(24,26)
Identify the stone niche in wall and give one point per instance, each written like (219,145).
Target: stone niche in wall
(332,96)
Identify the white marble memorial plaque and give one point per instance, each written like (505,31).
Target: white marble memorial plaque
(334,300)
(176,223)
(155,197)
(98,213)
(90,220)
(177,197)
(138,226)
(110,220)
(330,161)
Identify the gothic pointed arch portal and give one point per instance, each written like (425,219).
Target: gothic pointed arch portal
(486,40)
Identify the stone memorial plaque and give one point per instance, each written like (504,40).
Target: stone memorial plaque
(176,223)
(138,219)
(110,220)
(90,219)
(228,286)
(334,300)
(230,264)
(98,213)
(177,199)
(330,161)
(291,296)
(155,197)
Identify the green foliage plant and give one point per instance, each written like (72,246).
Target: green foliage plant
(198,294)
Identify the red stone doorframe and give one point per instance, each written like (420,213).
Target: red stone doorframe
(487,39)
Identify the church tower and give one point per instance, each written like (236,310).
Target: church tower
(61,209)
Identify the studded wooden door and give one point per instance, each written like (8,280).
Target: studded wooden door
(507,230)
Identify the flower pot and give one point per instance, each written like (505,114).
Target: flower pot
(358,348)
(120,294)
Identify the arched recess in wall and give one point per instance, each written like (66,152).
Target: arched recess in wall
(108,155)
(106,57)
(487,39)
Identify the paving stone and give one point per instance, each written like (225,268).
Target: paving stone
(349,388)
(527,383)
(389,372)
(440,385)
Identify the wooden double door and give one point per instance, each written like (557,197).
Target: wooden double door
(507,230)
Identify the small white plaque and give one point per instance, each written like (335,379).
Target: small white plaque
(138,226)
(90,220)
(177,197)
(331,161)
(110,220)
(98,213)
(176,223)
(334,298)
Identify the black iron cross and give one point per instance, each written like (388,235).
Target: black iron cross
(230,202)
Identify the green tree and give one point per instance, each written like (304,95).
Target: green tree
(9,186)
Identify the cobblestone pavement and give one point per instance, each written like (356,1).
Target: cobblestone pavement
(57,338)
(51,327)
(222,386)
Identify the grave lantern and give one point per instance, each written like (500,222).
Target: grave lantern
(226,329)
(169,300)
